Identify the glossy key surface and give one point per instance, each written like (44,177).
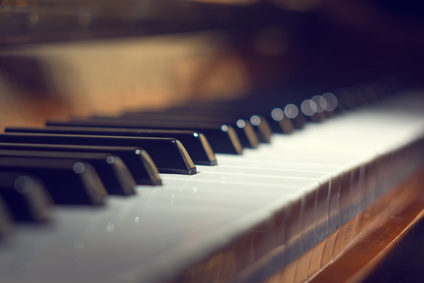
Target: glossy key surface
(271,111)
(168,154)
(194,142)
(111,169)
(138,161)
(290,193)
(6,224)
(222,137)
(25,197)
(243,128)
(69,182)
(241,121)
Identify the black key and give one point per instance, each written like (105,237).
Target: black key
(331,104)
(5,220)
(309,110)
(262,128)
(243,121)
(138,161)
(279,122)
(168,154)
(293,118)
(195,143)
(67,182)
(270,110)
(222,138)
(25,197)
(321,105)
(243,128)
(111,169)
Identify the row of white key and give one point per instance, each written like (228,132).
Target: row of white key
(163,230)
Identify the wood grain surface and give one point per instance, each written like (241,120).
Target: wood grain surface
(355,249)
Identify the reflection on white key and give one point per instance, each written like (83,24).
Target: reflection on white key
(298,189)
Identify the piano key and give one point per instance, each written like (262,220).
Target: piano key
(243,128)
(296,117)
(6,225)
(331,103)
(310,110)
(158,235)
(168,154)
(25,197)
(222,137)
(280,123)
(67,181)
(112,171)
(264,121)
(261,127)
(138,161)
(321,104)
(261,106)
(195,143)
(211,112)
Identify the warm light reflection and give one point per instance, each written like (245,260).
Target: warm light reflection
(277,114)
(331,100)
(255,120)
(308,107)
(291,111)
(241,123)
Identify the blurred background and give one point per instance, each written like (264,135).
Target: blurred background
(61,58)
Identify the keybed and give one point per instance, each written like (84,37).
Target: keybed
(289,194)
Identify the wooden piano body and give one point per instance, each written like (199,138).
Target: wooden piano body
(180,52)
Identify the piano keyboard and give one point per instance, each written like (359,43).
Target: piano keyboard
(291,193)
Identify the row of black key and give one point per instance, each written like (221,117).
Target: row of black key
(93,154)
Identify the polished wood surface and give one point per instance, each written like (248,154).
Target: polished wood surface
(355,249)
(58,80)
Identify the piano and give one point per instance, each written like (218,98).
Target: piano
(325,197)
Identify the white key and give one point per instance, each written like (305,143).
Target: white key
(319,172)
